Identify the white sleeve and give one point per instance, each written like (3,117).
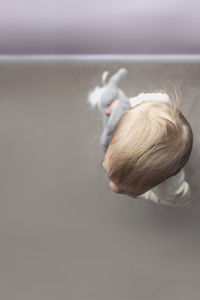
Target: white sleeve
(174,191)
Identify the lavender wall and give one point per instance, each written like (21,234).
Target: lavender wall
(99,27)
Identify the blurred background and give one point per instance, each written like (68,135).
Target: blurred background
(99,27)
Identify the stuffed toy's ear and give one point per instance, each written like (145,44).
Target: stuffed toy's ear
(117,76)
(110,89)
(104,77)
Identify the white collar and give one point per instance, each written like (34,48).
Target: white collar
(148,97)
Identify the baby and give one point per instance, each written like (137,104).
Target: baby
(146,141)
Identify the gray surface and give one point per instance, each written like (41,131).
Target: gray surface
(63,233)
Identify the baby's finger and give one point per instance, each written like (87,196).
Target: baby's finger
(107,111)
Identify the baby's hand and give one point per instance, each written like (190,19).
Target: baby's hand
(111,107)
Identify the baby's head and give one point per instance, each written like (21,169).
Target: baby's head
(151,142)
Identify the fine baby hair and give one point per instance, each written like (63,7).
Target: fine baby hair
(148,146)
(146,141)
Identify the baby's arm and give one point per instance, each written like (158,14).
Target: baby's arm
(175,191)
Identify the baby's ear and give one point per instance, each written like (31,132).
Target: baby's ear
(114,188)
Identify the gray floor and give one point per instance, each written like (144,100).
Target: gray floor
(63,233)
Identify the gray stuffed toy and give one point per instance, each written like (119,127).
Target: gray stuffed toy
(102,97)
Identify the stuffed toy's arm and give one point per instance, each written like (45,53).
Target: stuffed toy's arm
(112,121)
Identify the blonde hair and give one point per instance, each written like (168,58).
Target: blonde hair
(151,142)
